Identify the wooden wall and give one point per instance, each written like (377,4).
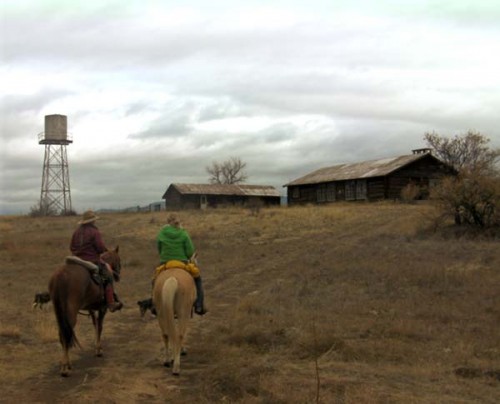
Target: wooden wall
(176,200)
(377,188)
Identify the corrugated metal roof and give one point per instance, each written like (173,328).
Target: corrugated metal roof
(226,189)
(365,169)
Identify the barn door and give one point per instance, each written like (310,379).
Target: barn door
(361,189)
(203,202)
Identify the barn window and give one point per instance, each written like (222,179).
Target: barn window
(321,193)
(361,189)
(350,190)
(330,192)
(295,193)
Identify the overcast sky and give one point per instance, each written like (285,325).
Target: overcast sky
(155,91)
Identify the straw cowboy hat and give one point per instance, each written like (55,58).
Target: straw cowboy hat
(88,217)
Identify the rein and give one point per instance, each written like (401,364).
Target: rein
(114,268)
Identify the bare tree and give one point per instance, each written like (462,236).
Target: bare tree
(215,172)
(473,196)
(469,152)
(228,172)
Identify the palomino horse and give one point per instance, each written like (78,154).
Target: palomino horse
(72,289)
(174,293)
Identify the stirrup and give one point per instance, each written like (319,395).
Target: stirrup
(112,307)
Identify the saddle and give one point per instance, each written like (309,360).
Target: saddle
(190,267)
(90,266)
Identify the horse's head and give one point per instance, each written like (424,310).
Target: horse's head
(112,258)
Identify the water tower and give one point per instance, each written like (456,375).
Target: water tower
(55,197)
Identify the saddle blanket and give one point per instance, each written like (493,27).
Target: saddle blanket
(93,268)
(72,259)
(189,267)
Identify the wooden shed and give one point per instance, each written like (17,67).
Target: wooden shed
(201,196)
(369,180)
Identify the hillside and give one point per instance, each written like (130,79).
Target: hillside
(348,303)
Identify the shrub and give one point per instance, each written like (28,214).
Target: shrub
(46,209)
(42,209)
(471,199)
(410,193)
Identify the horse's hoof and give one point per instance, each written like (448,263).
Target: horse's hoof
(168,364)
(176,373)
(184,352)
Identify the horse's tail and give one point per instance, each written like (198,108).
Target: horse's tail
(59,296)
(168,293)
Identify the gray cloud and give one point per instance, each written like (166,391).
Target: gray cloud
(154,99)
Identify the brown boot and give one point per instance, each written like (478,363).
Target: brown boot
(110,300)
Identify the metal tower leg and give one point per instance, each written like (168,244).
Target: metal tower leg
(55,195)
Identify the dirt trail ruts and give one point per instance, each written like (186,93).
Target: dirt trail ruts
(133,353)
(131,368)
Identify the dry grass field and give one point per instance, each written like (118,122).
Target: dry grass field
(349,303)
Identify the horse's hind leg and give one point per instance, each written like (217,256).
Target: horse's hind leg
(67,342)
(178,341)
(176,367)
(65,368)
(65,363)
(168,356)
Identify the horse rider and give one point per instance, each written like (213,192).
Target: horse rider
(174,243)
(87,244)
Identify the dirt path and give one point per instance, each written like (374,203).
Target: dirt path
(131,368)
(130,371)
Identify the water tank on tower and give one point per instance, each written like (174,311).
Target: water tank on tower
(55,195)
(56,130)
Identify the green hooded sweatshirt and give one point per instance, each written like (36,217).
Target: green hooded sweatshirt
(174,244)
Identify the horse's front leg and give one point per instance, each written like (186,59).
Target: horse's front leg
(98,322)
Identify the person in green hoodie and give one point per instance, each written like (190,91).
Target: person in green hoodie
(174,243)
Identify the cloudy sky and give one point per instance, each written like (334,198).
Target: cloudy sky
(155,91)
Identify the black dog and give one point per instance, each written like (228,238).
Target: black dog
(145,305)
(41,299)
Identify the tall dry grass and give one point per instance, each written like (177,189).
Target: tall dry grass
(349,303)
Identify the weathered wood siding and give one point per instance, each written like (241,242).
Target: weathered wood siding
(173,199)
(420,173)
(176,200)
(376,188)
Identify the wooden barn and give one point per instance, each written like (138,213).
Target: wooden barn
(201,196)
(369,180)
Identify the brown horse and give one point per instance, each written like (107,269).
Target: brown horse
(72,289)
(174,293)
